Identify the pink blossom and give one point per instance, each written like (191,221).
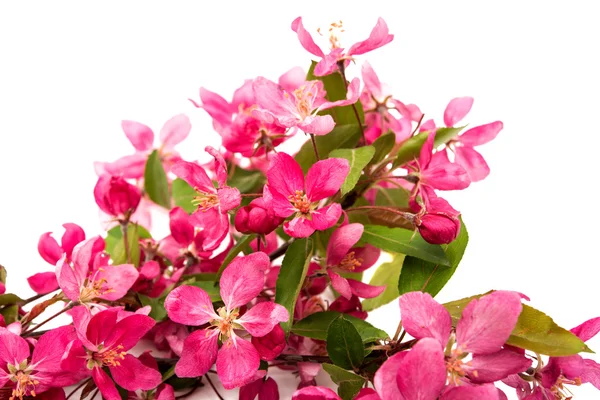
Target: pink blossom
(257,217)
(104,340)
(237,360)
(300,107)
(329,62)
(342,257)
(436,220)
(163,391)
(351,306)
(116,197)
(81,280)
(265,389)
(174,131)
(213,203)
(290,194)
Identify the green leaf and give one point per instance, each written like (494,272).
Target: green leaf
(387,197)
(201,277)
(118,254)
(242,243)
(2,274)
(383,145)
(315,327)
(155,181)
(358,159)
(245,181)
(344,344)
(411,148)
(534,331)
(349,383)
(158,312)
(183,194)
(341,137)
(431,277)
(10,313)
(10,298)
(386,274)
(397,240)
(210,288)
(115,236)
(291,277)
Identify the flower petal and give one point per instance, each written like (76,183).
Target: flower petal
(318,125)
(423,317)
(340,284)
(190,305)
(261,318)
(49,249)
(446,177)
(385,377)
(325,178)
(285,175)
(379,37)
(457,109)
(371,80)
(73,235)
(481,134)
(129,331)
(486,323)
(220,166)
(367,394)
(472,162)
(181,228)
(216,106)
(68,280)
(422,373)
(13,348)
(315,393)
(199,353)
(194,175)
(292,79)
(588,329)
(305,38)
(140,135)
(43,282)
(237,363)
(244,279)
(326,217)
(364,290)
(174,131)
(131,374)
(118,279)
(270,345)
(341,241)
(472,393)
(299,227)
(489,368)
(229,198)
(105,384)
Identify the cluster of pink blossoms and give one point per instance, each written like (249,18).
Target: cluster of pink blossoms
(263,268)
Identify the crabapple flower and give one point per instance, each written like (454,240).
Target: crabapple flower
(329,62)
(315,393)
(237,360)
(300,107)
(213,203)
(436,220)
(265,389)
(30,377)
(86,276)
(116,197)
(288,193)
(257,217)
(342,257)
(104,340)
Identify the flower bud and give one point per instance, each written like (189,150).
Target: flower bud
(256,217)
(438,228)
(115,196)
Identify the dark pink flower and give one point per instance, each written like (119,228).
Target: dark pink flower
(329,62)
(257,217)
(299,108)
(163,391)
(436,220)
(342,257)
(237,360)
(288,193)
(350,306)
(265,389)
(104,340)
(82,283)
(213,203)
(315,393)
(116,197)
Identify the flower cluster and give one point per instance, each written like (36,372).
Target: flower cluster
(263,267)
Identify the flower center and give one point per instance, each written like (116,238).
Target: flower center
(334,31)
(561,392)
(24,384)
(94,287)
(110,357)
(454,366)
(349,262)
(300,202)
(226,323)
(205,201)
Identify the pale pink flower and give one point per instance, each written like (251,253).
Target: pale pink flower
(329,62)
(290,194)
(237,360)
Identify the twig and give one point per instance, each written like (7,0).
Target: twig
(67,308)
(213,386)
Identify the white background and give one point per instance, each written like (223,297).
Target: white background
(69,72)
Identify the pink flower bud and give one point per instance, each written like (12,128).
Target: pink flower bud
(438,228)
(256,217)
(115,196)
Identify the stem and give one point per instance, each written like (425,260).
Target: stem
(280,251)
(37,296)
(67,308)
(303,358)
(406,215)
(213,386)
(251,194)
(398,331)
(78,387)
(258,243)
(314,143)
(124,226)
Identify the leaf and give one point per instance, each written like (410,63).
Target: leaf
(315,327)
(242,243)
(387,197)
(390,218)
(10,298)
(349,383)
(386,274)
(115,236)
(156,183)
(291,277)
(397,240)
(119,256)
(341,137)
(183,194)
(344,344)
(201,277)
(158,312)
(534,331)
(358,159)
(383,145)
(2,274)
(430,277)
(10,313)
(209,287)
(412,147)
(245,181)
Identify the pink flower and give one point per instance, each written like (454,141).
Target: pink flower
(104,341)
(257,217)
(116,197)
(163,391)
(290,194)
(174,131)
(86,277)
(315,393)
(351,306)
(42,372)
(342,257)
(436,220)
(237,360)
(300,107)
(329,62)
(213,203)
(265,389)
